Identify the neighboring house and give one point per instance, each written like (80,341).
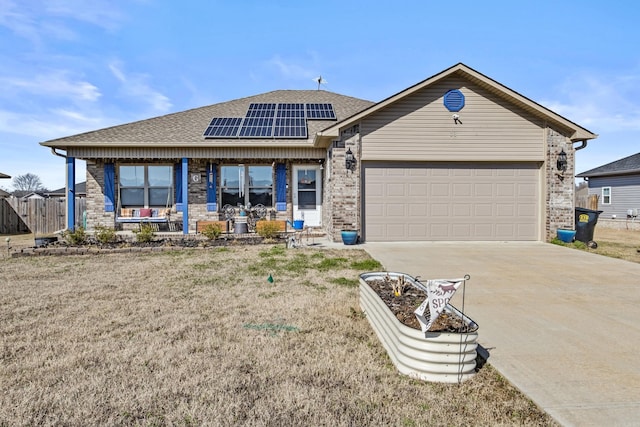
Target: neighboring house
(28,195)
(457,156)
(617,185)
(80,190)
(3,193)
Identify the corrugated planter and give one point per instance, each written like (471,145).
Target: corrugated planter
(431,356)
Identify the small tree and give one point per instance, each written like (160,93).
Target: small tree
(28,182)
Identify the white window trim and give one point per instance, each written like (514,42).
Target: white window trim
(146,187)
(604,202)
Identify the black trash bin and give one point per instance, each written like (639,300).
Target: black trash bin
(586,220)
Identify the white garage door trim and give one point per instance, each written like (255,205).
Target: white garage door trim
(451,201)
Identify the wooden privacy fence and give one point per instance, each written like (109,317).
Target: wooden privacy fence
(38,216)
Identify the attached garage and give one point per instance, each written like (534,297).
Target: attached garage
(449,201)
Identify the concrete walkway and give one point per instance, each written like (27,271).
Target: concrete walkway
(560,324)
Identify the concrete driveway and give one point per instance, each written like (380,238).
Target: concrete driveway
(560,324)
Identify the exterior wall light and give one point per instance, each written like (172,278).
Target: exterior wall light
(561,163)
(349,160)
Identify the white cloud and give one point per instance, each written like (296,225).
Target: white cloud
(38,20)
(136,87)
(57,83)
(292,70)
(600,103)
(52,124)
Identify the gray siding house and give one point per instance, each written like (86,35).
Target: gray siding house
(617,186)
(458,156)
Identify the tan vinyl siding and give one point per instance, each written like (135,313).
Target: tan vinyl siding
(197,153)
(419,127)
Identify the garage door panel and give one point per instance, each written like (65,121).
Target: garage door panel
(462,201)
(462,190)
(438,210)
(483,190)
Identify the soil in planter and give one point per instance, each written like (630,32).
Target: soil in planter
(403,308)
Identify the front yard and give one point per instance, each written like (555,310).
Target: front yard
(203,337)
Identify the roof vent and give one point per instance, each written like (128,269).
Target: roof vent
(454,100)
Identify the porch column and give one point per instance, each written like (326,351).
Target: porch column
(71,193)
(185,195)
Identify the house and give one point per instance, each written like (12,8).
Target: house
(28,195)
(4,194)
(457,156)
(80,190)
(617,186)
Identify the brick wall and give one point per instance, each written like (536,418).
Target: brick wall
(344,211)
(560,188)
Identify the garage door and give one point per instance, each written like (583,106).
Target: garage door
(451,201)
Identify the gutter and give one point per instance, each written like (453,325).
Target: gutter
(582,145)
(55,153)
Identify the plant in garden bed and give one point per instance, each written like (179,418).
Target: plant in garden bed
(268,229)
(75,237)
(145,234)
(212,231)
(105,235)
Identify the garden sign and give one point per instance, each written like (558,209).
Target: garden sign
(439,292)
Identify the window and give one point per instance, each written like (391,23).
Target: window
(306,188)
(606,195)
(146,186)
(245,184)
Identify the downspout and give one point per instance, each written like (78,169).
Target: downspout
(70,189)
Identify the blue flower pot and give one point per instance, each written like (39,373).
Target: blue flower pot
(349,237)
(298,224)
(567,236)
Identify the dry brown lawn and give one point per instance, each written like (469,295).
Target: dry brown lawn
(623,244)
(201,337)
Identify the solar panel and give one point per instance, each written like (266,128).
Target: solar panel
(258,122)
(223,127)
(271,120)
(290,121)
(320,112)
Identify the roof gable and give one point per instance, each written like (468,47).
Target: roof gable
(625,166)
(577,132)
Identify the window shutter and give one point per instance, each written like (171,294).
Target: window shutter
(212,191)
(109,186)
(178,179)
(281,187)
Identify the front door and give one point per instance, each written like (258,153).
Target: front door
(307,194)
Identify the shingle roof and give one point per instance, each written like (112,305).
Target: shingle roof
(186,128)
(626,166)
(81,188)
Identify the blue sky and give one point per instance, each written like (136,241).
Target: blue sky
(70,66)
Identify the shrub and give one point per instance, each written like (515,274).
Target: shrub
(75,237)
(105,234)
(212,231)
(268,229)
(145,234)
